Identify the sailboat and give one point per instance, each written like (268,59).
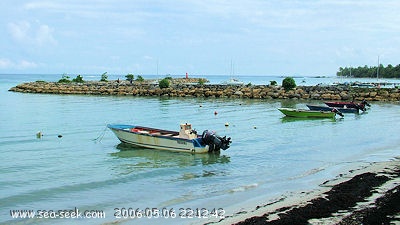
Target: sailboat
(232,80)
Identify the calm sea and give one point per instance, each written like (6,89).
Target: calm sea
(87,168)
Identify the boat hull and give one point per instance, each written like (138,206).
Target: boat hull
(169,142)
(352,105)
(341,104)
(329,109)
(300,113)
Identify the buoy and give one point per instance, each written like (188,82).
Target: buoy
(59,136)
(39,134)
(227,124)
(215,112)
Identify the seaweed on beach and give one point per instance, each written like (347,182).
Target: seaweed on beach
(385,211)
(343,196)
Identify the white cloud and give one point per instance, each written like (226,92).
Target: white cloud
(5,63)
(40,4)
(23,64)
(44,36)
(147,57)
(20,65)
(19,31)
(26,33)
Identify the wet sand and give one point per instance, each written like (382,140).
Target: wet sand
(367,195)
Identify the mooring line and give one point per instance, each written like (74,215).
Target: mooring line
(100,137)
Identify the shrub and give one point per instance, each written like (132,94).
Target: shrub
(164,83)
(201,81)
(273,83)
(64,79)
(288,83)
(78,79)
(140,78)
(130,77)
(104,77)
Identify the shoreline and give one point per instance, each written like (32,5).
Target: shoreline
(365,195)
(189,88)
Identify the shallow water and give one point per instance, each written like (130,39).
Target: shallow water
(88,168)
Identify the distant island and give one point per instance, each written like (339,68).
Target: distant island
(370,72)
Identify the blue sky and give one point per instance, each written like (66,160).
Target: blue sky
(201,37)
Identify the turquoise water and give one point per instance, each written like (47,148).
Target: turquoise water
(87,168)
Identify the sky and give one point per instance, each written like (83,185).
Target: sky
(198,37)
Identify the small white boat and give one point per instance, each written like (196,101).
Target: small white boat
(186,140)
(233,81)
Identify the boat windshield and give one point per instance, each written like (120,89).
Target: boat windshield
(186,126)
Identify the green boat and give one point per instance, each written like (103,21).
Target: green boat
(303,113)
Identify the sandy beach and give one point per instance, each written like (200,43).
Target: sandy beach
(366,195)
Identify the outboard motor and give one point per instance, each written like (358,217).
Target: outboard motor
(361,107)
(365,103)
(335,110)
(214,141)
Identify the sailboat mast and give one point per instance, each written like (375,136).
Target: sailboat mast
(157,67)
(232,72)
(377,70)
(233,69)
(350,71)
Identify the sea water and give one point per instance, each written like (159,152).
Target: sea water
(78,164)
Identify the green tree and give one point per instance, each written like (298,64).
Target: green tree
(201,81)
(164,83)
(288,83)
(64,79)
(139,78)
(130,77)
(373,71)
(104,77)
(78,79)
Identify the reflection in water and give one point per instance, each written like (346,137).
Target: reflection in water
(137,159)
(200,174)
(285,119)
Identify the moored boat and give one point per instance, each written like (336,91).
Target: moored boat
(362,105)
(186,140)
(327,108)
(303,113)
(233,82)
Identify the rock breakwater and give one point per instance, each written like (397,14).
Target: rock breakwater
(339,93)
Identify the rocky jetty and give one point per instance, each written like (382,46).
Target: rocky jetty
(192,88)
